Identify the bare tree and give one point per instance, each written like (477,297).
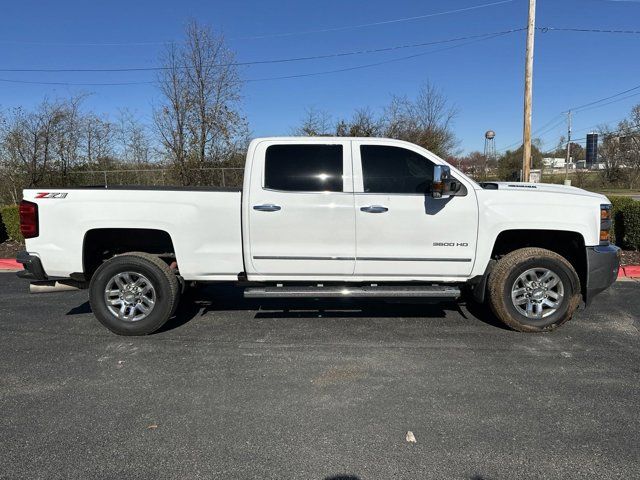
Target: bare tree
(52,141)
(363,124)
(29,140)
(610,153)
(474,164)
(199,121)
(171,118)
(315,123)
(97,140)
(68,140)
(426,121)
(629,131)
(134,144)
(11,179)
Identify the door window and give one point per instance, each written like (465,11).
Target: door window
(304,168)
(387,169)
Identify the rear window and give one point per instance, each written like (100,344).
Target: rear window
(304,168)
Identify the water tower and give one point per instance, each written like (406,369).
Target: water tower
(489,150)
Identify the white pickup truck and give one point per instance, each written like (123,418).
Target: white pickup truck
(326,217)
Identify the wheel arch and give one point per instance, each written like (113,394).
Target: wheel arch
(567,243)
(100,244)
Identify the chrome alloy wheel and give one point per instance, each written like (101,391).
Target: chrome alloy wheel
(130,296)
(537,293)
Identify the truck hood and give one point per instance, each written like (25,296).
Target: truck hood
(541,187)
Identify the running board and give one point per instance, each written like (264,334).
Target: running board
(353,292)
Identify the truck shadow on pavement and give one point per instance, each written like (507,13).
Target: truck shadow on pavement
(198,301)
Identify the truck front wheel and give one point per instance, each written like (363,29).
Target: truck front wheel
(134,293)
(533,290)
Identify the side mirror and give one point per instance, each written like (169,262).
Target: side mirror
(443,183)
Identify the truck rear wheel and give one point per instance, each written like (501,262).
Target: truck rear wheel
(134,294)
(533,290)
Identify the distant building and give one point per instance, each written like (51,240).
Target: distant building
(559,163)
(535,176)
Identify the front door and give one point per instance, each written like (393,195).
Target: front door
(401,229)
(301,210)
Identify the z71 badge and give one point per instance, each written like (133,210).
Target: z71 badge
(51,195)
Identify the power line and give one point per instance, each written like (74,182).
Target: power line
(373,24)
(320,30)
(596,125)
(615,132)
(587,106)
(557,120)
(357,67)
(612,101)
(71,84)
(85,44)
(605,134)
(539,131)
(586,30)
(266,35)
(262,62)
(595,102)
(283,77)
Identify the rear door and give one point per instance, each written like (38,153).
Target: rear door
(301,208)
(401,229)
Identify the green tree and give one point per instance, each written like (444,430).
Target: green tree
(510,163)
(577,151)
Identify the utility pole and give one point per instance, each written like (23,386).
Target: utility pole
(528,88)
(566,164)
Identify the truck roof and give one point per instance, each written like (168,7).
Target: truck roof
(328,138)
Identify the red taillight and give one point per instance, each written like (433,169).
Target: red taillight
(28,219)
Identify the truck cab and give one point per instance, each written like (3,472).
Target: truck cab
(354,209)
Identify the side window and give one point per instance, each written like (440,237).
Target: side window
(388,169)
(304,168)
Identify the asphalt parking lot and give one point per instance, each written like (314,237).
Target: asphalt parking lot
(315,390)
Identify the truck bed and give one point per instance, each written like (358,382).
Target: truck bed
(203,223)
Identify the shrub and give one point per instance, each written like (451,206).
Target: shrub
(631,216)
(3,231)
(617,217)
(11,221)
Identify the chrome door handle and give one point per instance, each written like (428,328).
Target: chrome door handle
(374,209)
(267,207)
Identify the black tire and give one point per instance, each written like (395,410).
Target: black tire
(166,292)
(507,271)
